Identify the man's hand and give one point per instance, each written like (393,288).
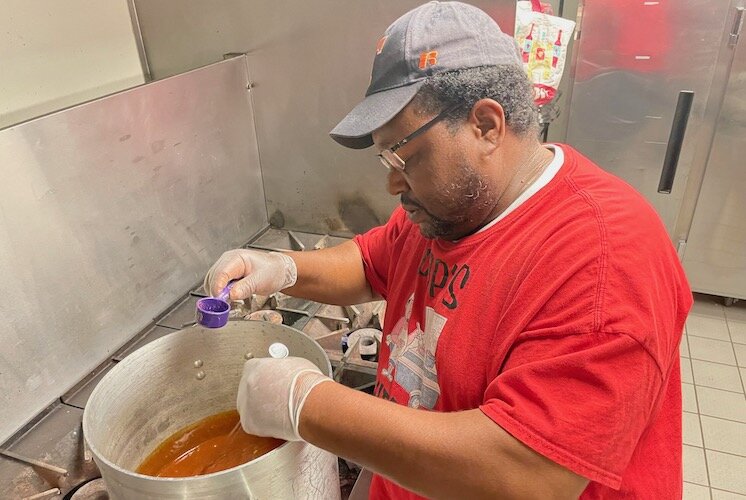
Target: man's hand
(272,393)
(260,272)
(333,275)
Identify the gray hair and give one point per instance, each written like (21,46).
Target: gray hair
(506,84)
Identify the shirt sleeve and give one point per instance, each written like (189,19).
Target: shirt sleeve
(583,401)
(376,249)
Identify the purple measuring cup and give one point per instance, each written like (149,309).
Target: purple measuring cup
(212,312)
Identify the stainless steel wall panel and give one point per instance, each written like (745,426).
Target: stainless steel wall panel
(715,255)
(633,59)
(108,212)
(78,395)
(153,334)
(310,64)
(182,316)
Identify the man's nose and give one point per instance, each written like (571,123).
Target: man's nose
(396,183)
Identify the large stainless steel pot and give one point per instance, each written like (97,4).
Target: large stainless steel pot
(184,377)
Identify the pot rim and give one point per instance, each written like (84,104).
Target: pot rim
(99,456)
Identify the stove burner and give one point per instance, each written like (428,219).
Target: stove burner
(93,489)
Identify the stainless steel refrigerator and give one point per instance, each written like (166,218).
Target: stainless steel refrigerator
(657,99)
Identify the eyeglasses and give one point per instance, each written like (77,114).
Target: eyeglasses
(391,160)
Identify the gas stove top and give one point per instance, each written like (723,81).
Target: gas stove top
(48,459)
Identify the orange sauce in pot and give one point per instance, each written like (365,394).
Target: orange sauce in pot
(213,444)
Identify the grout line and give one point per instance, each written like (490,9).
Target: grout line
(717,362)
(696,484)
(691,366)
(711,387)
(721,418)
(712,449)
(731,335)
(727,327)
(708,338)
(701,427)
(704,451)
(700,415)
(727,491)
(730,308)
(699,418)
(719,451)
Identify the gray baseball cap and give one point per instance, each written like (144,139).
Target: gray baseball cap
(433,38)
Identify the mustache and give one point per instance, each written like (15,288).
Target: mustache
(406,200)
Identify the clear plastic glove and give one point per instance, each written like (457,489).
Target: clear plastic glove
(261,272)
(272,393)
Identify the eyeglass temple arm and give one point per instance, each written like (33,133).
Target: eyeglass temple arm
(423,128)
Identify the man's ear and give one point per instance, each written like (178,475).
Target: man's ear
(487,119)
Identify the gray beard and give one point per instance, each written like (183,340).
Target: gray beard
(464,197)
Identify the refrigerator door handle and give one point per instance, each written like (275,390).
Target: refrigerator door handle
(675,141)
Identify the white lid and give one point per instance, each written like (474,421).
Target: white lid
(278,350)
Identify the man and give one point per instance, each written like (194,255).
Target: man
(534,302)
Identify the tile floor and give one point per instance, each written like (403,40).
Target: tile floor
(713,374)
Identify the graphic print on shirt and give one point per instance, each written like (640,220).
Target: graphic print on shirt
(412,357)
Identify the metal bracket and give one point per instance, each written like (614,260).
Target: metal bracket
(353,312)
(337,375)
(37,463)
(735,32)
(322,243)
(339,319)
(231,55)
(142,55)
(295,242)
(269,249)
(341,331)
(302,312)
(44,494)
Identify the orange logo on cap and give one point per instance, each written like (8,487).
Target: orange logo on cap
(381,43)
(428,59)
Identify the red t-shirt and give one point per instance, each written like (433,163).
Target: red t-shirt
(562,323)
